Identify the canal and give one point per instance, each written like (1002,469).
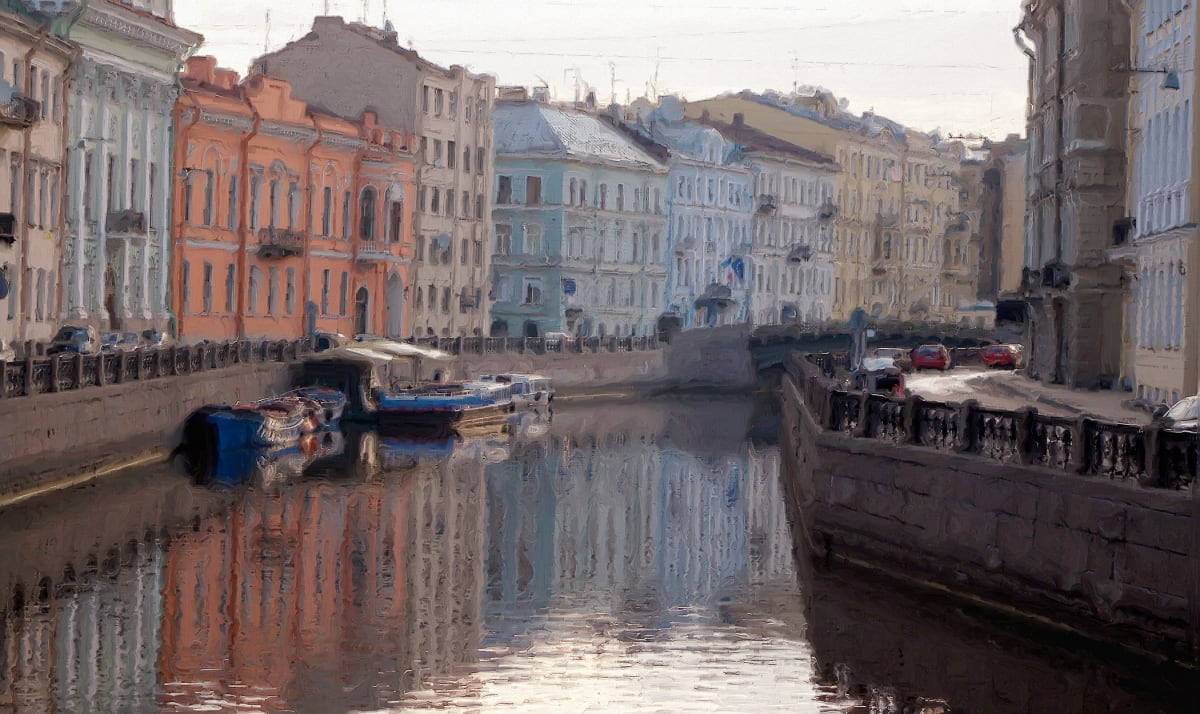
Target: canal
(622,555)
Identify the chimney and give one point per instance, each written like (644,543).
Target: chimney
(225,78)
(201,68)
(739,120)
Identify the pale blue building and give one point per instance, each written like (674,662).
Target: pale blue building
(579,225)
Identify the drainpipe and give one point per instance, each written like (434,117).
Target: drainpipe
(64,185)
(243,223)
(180,160)
(306,265)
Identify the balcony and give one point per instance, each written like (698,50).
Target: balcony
(1056,276)
(278,243)
(8,228)
(373,251)
(767,203)
(827,211)
(466,299)
(887,220)
(1123,230)
(800,253)
(126,222)
(20,111)
(880,266)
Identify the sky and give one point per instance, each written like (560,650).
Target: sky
(930,64)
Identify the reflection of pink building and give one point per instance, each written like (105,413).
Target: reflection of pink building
(280,601)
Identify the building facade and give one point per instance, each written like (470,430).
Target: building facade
(289,220)
(579,226)
(32,122)
(1002,220)
(449,110)
(710,219)
(1076,190)
(116,246)
(1159,240)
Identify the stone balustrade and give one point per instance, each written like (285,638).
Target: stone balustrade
(1147,455)
(67,372)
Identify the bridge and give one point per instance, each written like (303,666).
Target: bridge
(770,347)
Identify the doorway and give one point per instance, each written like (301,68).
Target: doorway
(395,306)
(361,299)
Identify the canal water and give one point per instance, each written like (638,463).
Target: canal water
(618,555)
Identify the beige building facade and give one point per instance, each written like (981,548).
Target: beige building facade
(902,249)
(339,65)
(32,121)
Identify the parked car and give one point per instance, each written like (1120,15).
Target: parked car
(120,342)
(1008,356)
(898,357)
(328,340)
(1184,416)
(72,339)
(931,357)
(154,338)
(880,375)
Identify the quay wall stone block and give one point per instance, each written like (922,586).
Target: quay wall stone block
(1110,556)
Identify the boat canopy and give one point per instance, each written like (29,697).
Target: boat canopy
(403,349)
(356,355)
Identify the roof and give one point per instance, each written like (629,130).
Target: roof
(755,141)
(530,128)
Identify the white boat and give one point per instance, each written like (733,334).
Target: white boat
(527,389)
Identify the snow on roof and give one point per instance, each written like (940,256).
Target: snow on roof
(524,128)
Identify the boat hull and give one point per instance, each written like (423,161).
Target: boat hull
(438,421)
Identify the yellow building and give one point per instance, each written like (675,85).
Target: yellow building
(903,248)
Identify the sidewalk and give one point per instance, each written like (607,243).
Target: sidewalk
(1001,389)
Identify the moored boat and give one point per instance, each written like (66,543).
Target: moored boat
(440,408)
(527,389)
(331,402)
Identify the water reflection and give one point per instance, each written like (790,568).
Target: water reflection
(621,556)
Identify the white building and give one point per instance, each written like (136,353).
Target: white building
(791,267)
(1161,360)
(120,109)
(711,219)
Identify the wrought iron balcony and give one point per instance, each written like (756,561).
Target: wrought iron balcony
(20,111)
(800,253)
(279,243)
(466,298)
(767,203)
(827,211)
(128,222)
(372,251)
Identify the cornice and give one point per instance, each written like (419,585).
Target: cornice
(226,121)
(286,131)
(113,19)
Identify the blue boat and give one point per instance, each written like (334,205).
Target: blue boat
(245,427)
(331,401)
(441,408)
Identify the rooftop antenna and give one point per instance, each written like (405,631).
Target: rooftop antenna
(612,73)
(385,17)
(267,38)
(364,12)
(326,8)
(654,79)
(795,72)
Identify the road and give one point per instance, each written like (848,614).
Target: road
(1003,389)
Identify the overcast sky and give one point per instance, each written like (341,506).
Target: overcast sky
(931,64)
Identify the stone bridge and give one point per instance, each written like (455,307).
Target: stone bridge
(770,347)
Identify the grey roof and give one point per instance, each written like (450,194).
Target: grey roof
(530,128)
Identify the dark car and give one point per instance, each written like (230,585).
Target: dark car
(931,357)
(1006,356)
(73,339)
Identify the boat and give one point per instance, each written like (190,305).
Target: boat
(439,408)
(283,419)
(332,403)
(367,371)
(527,389)
(244,426)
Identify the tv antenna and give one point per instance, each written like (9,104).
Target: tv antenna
(612,74)
(267,38)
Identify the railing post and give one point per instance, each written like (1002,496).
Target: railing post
(173,353)
(863,426)
(912,418)
(140,367)
(29,381)
(1152,477)
(79,370)
(100,360)
(966,428)
(3,379)
(1081,447)
(1026,418)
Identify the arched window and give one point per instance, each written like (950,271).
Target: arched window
(366,225)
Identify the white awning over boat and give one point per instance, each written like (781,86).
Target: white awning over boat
(403,349)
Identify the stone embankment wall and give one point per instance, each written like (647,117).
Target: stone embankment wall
(1110,556)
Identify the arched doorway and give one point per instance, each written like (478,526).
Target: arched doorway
(361,324)
(395,306)
(499,328)
(110,298)
(531,329)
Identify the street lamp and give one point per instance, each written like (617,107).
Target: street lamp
(1170,80)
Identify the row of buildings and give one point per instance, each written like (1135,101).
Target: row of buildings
(150,189)
(1111,236)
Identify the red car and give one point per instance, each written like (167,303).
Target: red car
(931,357)
(1008,356)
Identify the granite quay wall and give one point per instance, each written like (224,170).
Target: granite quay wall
(1094,525)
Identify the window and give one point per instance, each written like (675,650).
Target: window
(467,159)
(533,239)
(272,290)
(503,239)
(432,297)
(230,278)
(255,190)
(437,152)
(532,291)
(293,199)
(450,202)
(435,201)
(603,196)
(42,200)
(420,248)
(153,208)
(620,197)
(466,112)
(420,297)
(479,160)
(439,101)
(571,191)
(289,297)
(637,200)
(184,292)
(366,226)
(255,279)
(504,192)
(346,216)
(231,214)
(134,177)
(466,205)
(343,287)
(273,204)
(453,108)
(395,221)
(479,207)
(207,296)
(464,253)
(57,98)
(478,252)
(451,155)
(533,190)
(446,299)
(187,199)
(209,186)
(425,99)
(40,310)
(326,210)
(325,292)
